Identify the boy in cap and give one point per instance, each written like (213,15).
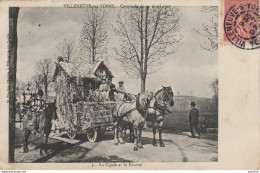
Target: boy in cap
(121,87)
(121,90)
(194,119)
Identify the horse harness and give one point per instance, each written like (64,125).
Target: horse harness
(128,112)
(158,107)
(137,107)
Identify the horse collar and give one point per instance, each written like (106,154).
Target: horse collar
(158,107)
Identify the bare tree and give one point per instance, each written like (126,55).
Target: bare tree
(44,68)
(148,35)
(209,31)
(66,48)
(214,87)
(36,81)
(94,37)
(12,62)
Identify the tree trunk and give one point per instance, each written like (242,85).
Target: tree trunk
(46,92)
(143,80)
(93,53)
(46,88)
(68,49)
(12,61)
(93,46)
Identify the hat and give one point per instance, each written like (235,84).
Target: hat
(192,104)
(121,81)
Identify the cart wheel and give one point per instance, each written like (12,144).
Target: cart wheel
(72,133)
(92,135)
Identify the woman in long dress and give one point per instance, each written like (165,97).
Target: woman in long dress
(104,90)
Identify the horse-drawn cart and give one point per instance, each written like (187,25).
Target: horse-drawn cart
(93,117)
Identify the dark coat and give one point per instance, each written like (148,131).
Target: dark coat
(194,116)
(112,90)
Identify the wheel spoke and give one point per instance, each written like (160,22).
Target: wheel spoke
(72,133)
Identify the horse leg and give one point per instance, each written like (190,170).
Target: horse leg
(46,143)
(120,134)
(160,134)
(140,135)
(154,133)
(26,137)
(43,144)
(131,133)
(135,138)
(116,135)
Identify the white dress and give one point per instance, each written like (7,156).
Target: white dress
(104,92)
(120,96)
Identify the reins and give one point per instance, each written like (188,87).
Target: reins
(158,106)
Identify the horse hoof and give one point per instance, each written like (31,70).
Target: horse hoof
(122,142)
(26,151)
(140,147)
(115,143)
(155,144)
(162,145)
(135,149)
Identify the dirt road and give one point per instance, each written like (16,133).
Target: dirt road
(178,148)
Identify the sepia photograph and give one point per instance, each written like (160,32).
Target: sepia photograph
(106,83)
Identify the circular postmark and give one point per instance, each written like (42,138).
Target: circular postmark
(241,26)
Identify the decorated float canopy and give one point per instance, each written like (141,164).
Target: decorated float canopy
(97,70)
(74,82)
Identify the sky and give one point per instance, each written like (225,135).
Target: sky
(188,71)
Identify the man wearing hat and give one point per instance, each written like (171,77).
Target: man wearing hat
(121,90)
(194,119)
(37,106)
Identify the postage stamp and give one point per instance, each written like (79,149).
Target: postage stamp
(129,84)
(241,24)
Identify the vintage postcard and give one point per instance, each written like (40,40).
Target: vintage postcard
(129,84)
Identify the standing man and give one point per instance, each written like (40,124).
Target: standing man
(112,89)
(194,119)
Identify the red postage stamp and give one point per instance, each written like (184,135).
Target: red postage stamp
(241,23)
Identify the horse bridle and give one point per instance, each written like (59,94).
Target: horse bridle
(159,107)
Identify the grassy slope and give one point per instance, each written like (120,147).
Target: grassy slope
(178,121)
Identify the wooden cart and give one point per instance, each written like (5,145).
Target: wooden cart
(93,117)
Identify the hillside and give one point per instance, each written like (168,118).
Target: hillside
(182,103)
